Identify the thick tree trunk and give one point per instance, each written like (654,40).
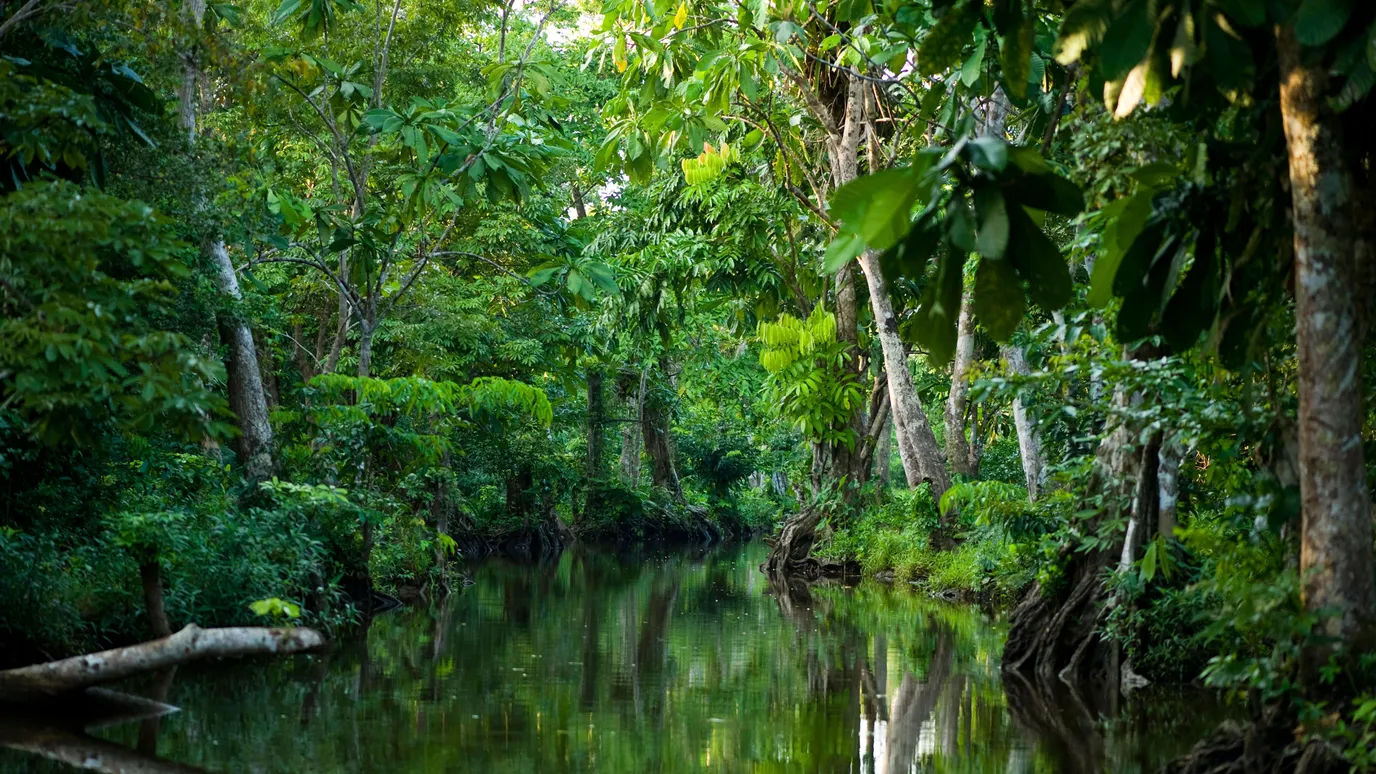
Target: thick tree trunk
(909,417)
(1335,545)
(957,447)
(1029,440)
(247,399)
(1054,632)
(193,643)
(659,446)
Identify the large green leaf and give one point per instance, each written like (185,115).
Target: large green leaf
(909,257)
(1048,192)
(998,302)
(1082,27)
(1192,307)
(1016,58)
(877,207)
(1127,40)
(1038,261)
(992,215)
(934,325)
(1248,13)
(1124,219)
(1319,21)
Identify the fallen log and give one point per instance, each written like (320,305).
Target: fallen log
(193,643)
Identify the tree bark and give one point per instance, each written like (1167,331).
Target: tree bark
(957,447)
(365,349)
(596,419)
(150,575)
(909,417)
(190,644)
(1335,544)
(883,452)
(246,397)
(1168,486)
(659,446)
(1029,440)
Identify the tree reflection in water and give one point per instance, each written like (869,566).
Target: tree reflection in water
(653,662)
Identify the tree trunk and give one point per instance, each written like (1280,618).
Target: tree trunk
(1054,632)
(1029,440)
(957,448)
(909,417)
(150,574)
(190,644)
(593,471)
(659,446)
(883,452)
(246,396)
(365,349)
(1168,485)
(1335,545)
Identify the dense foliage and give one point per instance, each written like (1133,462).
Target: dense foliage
(304,302)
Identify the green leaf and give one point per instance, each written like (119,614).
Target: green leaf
(1319,21)
(1194,304)
(1048,192)
(991,212)
(1082,28)
(998,301)
(1149,562)
(1247,13)
(842,250)
(1127,40)
(909,257)
(935,324)
(970,71)
(285,11)
(878,207)
(1039,263)
(1016,59)
(944,43)
(1138,260)
(1124,219)
(989,153)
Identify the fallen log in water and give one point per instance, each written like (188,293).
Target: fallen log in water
(193,643)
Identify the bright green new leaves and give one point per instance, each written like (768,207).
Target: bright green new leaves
(808,375)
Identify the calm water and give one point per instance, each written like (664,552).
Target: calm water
(645,663)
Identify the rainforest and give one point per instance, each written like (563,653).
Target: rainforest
(687,385)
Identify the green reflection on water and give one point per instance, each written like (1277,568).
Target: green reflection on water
(654,663)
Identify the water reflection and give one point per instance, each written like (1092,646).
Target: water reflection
(649,663)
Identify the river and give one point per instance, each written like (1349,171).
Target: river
(651,662)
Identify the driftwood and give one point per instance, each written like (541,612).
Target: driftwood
(57,678)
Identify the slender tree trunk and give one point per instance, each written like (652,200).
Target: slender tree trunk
(1335,545)
(957,448)
(596,419)
(1029,440)
(150,575)
(909,417)
(246,396)
(631,435)
(883,452)
(365,349)
(659,447)
(1168,483)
